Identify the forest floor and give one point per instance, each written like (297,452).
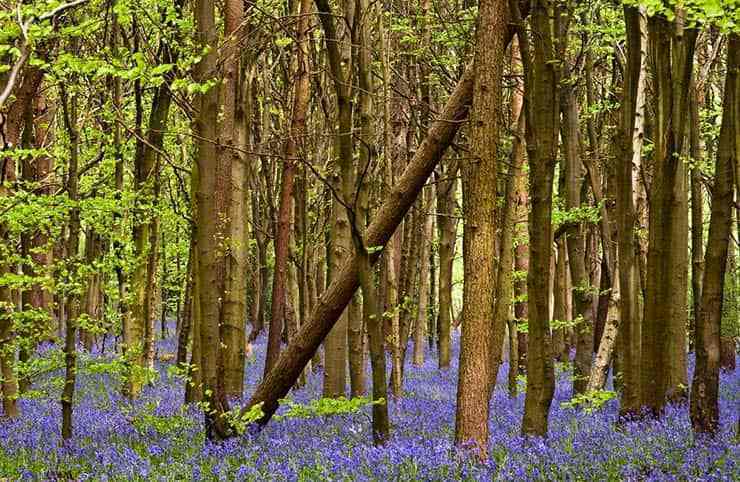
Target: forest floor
(156,438)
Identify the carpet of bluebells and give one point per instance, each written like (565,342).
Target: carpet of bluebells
(157,438)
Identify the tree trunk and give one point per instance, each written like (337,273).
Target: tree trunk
(231,201)
(697,213)
(35,244)
(186,320)
(424,276)
(293,152)
(139,332)
(342,180)
(582,290)
(482,333)
(541,80)
(210,229)
(11,126)
(73,244)
(705,387)
(664,329)
(629,280)
(515,180)
(447,229)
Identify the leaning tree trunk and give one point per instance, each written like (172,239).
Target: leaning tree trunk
(336,297)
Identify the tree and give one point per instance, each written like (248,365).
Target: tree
(542,111)
(479,334)
(705,386)
(209,227)
(663,360)
(630,332)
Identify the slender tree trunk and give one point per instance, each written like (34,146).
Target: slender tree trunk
(560,294)
(293,152)
(73,244)
(629,280)
(11,127)
(35,244)
(340,61)
(447,229)
(186,322)
(424,276)
(697,213)
(541,79)
(515,180)
(582,290)
(705,387)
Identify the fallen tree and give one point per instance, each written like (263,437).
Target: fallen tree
(337,296)
(329,307)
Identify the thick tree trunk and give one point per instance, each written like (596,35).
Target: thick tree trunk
(209,229)
(482,333)
(231,201)
(705,386)
(664,329)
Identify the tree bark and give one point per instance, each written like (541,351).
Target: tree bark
(293,152)
(582,290)
(447,231)
(664,329)
(629,281)
(541,80)
(705,387)
(342,180)
(73,244)
(209,228)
